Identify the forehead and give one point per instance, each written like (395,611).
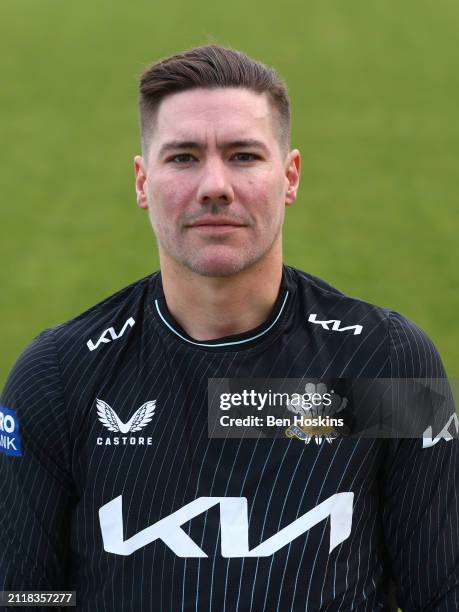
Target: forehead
(223,113)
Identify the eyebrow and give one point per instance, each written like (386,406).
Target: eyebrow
(180,145)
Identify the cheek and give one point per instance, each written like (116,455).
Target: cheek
(267,186)
(168,198)
(265,200)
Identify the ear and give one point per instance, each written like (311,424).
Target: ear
(140,179)
(292,174)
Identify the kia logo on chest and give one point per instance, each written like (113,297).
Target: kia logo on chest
(234,527)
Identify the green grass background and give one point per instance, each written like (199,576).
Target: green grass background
(374,88)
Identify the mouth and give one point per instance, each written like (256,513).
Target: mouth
(216,225)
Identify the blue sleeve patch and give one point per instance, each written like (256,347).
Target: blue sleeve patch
(10,439)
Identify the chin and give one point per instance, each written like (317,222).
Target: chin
(219,266)
(217,269)
(218,261)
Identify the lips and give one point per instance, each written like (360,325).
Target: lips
(221,222)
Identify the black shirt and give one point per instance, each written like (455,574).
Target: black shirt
(110,410)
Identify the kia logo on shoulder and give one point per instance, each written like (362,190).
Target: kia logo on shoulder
(335,325)
(109,335)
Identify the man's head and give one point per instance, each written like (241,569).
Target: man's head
(216,170)
(211,67)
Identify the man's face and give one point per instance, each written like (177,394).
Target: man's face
(215,180)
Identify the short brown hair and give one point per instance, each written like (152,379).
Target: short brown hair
(210,67)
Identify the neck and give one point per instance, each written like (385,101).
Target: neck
(213,307)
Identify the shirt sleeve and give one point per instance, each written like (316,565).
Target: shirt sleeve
(36,490)
(420,487)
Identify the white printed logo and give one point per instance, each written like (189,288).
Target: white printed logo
(336,325)
(428,441)
(112,333)
(10,440)
(234,529)
(108,417)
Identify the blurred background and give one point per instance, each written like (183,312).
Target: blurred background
(374,89)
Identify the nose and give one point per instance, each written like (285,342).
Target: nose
(215,185)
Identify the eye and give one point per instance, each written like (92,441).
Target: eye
(182,158)
(245,157)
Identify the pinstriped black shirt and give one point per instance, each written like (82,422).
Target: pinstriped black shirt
(81,504)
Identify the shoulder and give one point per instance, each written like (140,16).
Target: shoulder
(413,353)
(106,321)
(97,326)
(332,310)
(409,351)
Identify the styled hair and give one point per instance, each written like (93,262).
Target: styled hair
(210,67)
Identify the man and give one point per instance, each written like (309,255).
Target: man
(117,491)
